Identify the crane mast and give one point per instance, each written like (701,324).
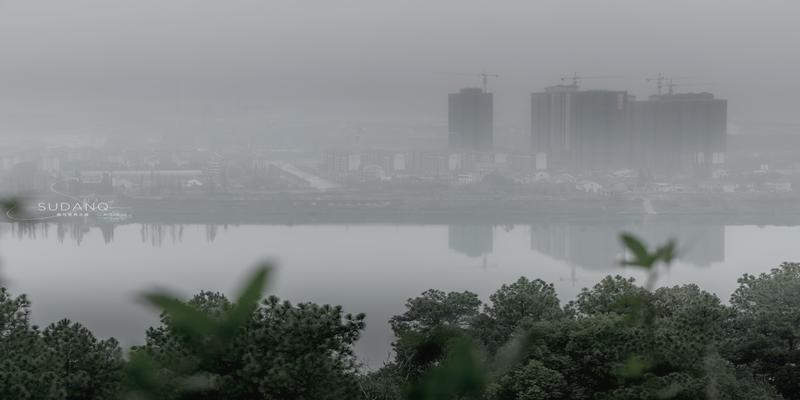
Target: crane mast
(484,76)
(485,79)
(659,81)
(575,78)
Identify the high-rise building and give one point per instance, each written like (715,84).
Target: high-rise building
(670,134)
(471,120)
(580,129)
(680,133)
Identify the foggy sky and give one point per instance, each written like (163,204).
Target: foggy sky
(99,64)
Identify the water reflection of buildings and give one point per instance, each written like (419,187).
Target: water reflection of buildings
(471,240)
(153,234)
(698,244)
(597,247)
(27,230)
(591,247)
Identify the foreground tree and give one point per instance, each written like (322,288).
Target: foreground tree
(87,368)
(515,307)
(530,381)
(427,328)
(624,342)
(282,351)
(766,332)
(63,362)
(435,309)
(23,365)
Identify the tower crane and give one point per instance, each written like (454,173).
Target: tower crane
(575,78)
(484,76)
(659,80)
(663,81)
(671,86)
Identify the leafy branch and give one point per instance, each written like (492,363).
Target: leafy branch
(209,337)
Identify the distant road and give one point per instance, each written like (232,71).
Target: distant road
(312,180)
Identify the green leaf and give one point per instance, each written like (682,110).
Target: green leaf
(666,253)
(636,247)
(247,301)
(642,257)
(183,316)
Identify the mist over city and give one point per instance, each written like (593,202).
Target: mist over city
(352,199)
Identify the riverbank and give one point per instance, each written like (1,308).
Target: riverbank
(349,208)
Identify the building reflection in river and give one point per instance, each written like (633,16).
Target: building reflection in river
(471,240)
(596,246)
(593,246)
(153,234)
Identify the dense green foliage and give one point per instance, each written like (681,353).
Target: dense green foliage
(64,361)
(765,334)
(211,348)
(615,340)
(285,351)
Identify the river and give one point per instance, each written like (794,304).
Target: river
(94,274)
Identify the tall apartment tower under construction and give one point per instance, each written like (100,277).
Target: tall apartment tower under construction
(471,120)
(683,133)
(596,130)
(580,129)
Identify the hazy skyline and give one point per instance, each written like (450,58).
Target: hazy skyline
(84,65)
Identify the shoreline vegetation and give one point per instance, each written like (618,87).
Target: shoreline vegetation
(617,340)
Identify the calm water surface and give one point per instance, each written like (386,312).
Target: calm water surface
(93,275)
